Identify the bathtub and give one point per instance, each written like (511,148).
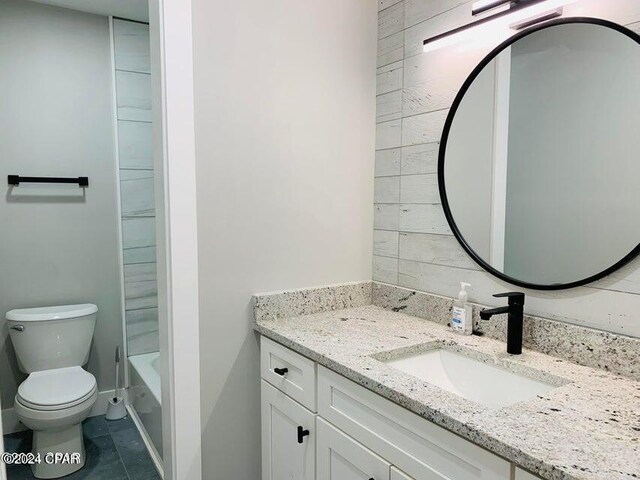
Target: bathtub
(144,394)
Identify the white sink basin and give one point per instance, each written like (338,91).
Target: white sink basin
(472,379)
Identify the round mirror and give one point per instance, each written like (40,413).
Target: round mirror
(539,168)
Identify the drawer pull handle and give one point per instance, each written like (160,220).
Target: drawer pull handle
(301,434)
(281,371)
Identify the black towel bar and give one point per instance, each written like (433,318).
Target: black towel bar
(17,179)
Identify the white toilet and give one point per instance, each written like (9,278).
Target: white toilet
(52,344)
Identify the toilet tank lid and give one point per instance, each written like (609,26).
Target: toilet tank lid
(51,313)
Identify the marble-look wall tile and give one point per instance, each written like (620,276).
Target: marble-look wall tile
(417,11)
(385,269)
(139,240)
(386,217)
(420,159)
(140,286)
(389,78)
(438,249)
(133,96)
(142,272)
(416,35)
(140,295)
(386,190)
(388,162)
(131,46)
(390,49)
(431,80)
(136,193)
(388,134)
(135,145)
(385,243)
(426,218)
(389,106)
(635,27)
(391,20)
(425,128)
(419,188)
(307,301)
(384,4)
(142,331)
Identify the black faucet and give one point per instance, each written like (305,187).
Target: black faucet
(514,323)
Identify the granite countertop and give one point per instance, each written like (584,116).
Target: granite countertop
(586,428)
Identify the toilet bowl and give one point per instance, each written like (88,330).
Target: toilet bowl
(52,344)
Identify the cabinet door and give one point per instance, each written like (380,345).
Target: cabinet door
(522,475)
(286,455)
(398,475)
(342,458)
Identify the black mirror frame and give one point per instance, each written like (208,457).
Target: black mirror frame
(443,146)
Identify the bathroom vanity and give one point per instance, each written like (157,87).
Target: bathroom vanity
(344,398)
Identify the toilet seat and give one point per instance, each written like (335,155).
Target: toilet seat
(56,389)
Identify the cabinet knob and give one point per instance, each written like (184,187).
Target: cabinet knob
(281,371)
(301,434)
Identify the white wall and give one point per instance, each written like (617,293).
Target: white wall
(56,120)
(285,125)
(426,256)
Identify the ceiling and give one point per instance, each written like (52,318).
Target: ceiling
(130,9)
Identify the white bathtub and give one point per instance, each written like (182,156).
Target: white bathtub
(144,394)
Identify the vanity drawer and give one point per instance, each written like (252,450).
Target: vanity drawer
(416,446)
(289,372)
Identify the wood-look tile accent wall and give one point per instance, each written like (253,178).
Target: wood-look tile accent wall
(413,245)
(135,149)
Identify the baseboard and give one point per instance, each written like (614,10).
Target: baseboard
(11,424)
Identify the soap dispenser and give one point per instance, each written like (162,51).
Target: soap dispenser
(462,319)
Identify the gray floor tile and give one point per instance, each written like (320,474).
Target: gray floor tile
(19,472)
(19,442)
(115,451)
(95,427)
(125,424)
(134,455)
(103,461)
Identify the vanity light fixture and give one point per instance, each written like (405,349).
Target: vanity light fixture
(509,15)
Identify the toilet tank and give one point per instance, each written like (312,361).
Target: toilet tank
(52,337)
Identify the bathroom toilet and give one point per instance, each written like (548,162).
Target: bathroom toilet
(52,344)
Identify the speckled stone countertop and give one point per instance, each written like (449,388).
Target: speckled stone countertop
(586,428)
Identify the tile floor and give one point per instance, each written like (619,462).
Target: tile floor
(115,451)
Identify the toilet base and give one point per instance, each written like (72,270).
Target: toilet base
(61,451)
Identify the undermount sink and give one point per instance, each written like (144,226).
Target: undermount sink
(491,386)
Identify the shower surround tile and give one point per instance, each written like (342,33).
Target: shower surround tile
(135,145)
(142,331)
(131,46)
(136,193)
(133,96)
(139,240)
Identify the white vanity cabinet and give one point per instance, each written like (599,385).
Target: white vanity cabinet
(350,433)
(288,446)
(522,475)
(339,457)
(398,475)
